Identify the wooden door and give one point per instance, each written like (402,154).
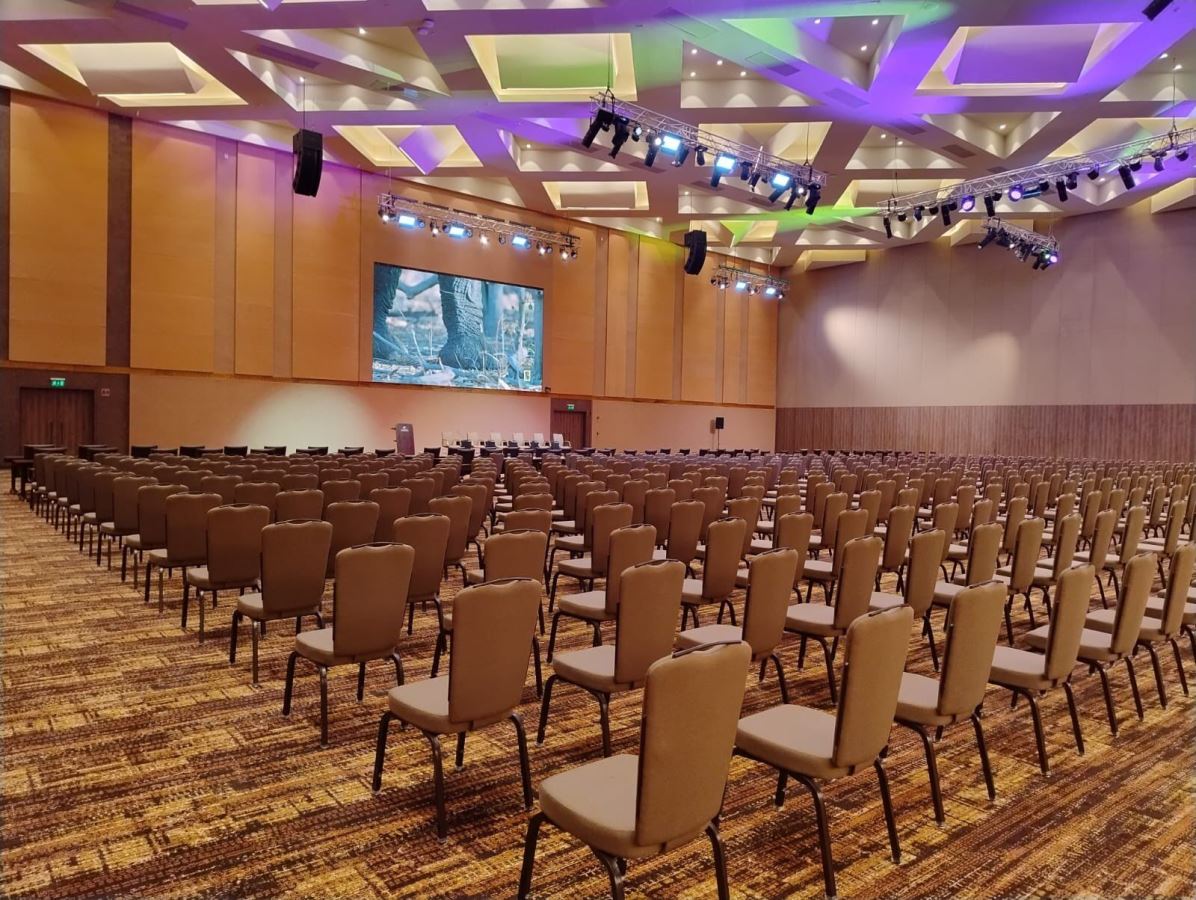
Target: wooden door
(573,426)
(57,416)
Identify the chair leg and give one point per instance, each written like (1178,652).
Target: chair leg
(525,770)
(720,861)
(1075,717)
(440,647)
(1109,710)
(604,721)
(824,834)
(1158,675)
(984,763)
(887,802)
(253,633)
(232,638)
(614,871)
(928,630)
(830,668)
(536,663)
(360,682)
(936,791)
(1179,665)
(398,661)
(438,785)
(1038,735)
(1009,619)
(1133,677)
(323,707)
(459,761)
(545,700)
(290,686)
(801,653)
(556,619)
(529,855)
(380,751)
(776,661)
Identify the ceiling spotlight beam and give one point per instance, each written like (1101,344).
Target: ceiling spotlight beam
(1117,157)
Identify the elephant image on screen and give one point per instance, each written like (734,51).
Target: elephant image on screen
(435,328)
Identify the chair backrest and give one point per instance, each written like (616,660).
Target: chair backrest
(897,535)
(973,626)
(369,599)
(515,553)
(151,512)
(877,644)
(457,509)
(793,532)
(685,528)
(965,497)
(1067,536)
(1102,537)
(294,558)
(984,547)
(1135,519)
(1179,577)
(593,500)
(125,489)
(1025,555)
(428,535)
(493,626)
(186,527)
(393,503)
(869,501)
(300,481)
(536,519)
(635,492)
(713,497)
(304,504)
(258,493)
(630,545)
(371,481)
(832,509)
(850,526)
(650,601)
(771,578)
(234,535)
(944,518)
(606,518)
(748,509)
(687,732)
(480,495)
(857,575)
(658,504)
(682,487)
(423,489)
(224,485)
(1067,621)
(1015,511)
(724,546)
(1177,512)
(1131,605)
(925,557)
(340,490)
(353,522)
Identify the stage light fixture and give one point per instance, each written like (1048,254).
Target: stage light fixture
(564,253)
(1073,180)
(383,215)
(601,122)
(682,152)
(755,179)
(1127,177)
(700,155)
(723,165)
(776,193)
(967,204)
(1136,165)
(1182,155)
(434,229)
(543,248)
(1094,173)
(457,230)
(622,133)
(1061,190)
(917,213)
(888,228)
(812,198)
(741,285)
(990,235)
(989,206)
(745,171)
(1037,262)
(934,210)
(521,241)
(793,194)
(653,149)
(901,216)
(670,143)
(1158,162)
(780,180)
(409,221)
(770,291)
(946,211)
(1016,192)
(1043,187)
(637,131)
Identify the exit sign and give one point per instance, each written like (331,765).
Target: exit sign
(569,407)
(57,382)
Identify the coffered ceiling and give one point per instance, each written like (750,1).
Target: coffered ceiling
(490,97)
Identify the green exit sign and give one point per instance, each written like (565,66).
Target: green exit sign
(57,382)
(569,407)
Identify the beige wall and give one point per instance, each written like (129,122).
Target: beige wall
(932,325)
(625,425)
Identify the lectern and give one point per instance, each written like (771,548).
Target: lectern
(405,438)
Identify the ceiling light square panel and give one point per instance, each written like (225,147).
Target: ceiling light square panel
(557,67)
(137,74)
(424,147)
(566,195)
(1019,60)
(487,5)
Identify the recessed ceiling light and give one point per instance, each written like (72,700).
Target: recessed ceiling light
(693,51)
(718,62)
(527,146)
(360,30)
(302,79)
(818,21)
(883,135)
(900,142)
(1002,126)
(742,72)
(1164,55)
(876,21)
(1178,66)
(863,48)
(687,193)
(693,74)
(659,219)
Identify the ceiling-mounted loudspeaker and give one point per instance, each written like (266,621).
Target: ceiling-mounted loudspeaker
(308,147)
(696,258)
(1154,8)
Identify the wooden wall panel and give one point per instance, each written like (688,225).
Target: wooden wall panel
(618,295)
(699,330)
(58,233)
(659,269)
(255,261)
(326,270)
(173,281)
(569,319)
(734,330)
(762,350)
(1140,432)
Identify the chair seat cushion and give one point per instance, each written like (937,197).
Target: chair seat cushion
(1154,609)
(707,634)
(765,526)
(1041,577)
(474,576)
(590,605)
(957,552)
(578,568)
(1095,646)
(425,704)
(691,591)
(574,543)
(741,578)
(593,668)
(1019,668)
(918,701)
(1100,620)
(946,591)
(157,556)
(251,605)
(565,526)
(199,577)
(317,646)
(795,738)
(881,600)
(596,804)
(811,618)
(818,570)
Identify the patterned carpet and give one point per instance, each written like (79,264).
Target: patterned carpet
(138,763)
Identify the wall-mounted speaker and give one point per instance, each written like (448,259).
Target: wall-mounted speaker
(308,147)
(696,258)
(719,422)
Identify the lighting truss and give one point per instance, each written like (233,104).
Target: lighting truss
(749,282)
(409,213)
(1025,244)
(1029,178)
(653,124)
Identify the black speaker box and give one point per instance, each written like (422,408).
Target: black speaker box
(719,422)
(308,147)
(696,258)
